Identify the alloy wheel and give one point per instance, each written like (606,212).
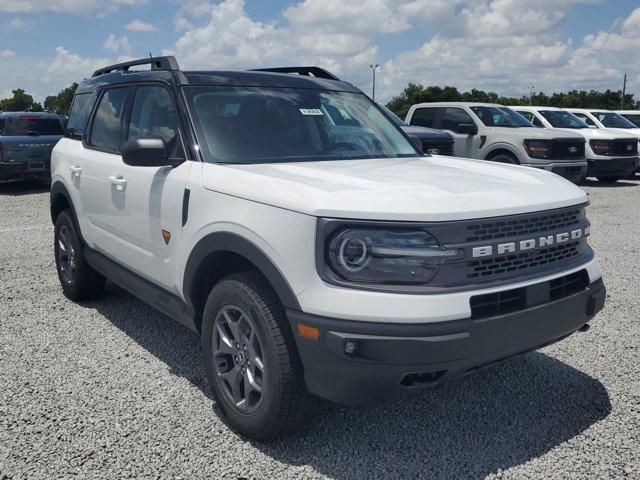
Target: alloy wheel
(66,254)
(238,359)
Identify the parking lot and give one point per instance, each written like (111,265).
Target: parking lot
(112,389)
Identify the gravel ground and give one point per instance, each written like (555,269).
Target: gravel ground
(112,389)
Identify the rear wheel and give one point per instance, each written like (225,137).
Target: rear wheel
(251,358)
(609,179)
(79,281)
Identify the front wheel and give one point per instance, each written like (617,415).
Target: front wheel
(609,179)
(251,358)
(504,158)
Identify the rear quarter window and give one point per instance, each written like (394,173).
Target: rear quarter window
(79,115)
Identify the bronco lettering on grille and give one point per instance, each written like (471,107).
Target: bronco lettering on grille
(530,244)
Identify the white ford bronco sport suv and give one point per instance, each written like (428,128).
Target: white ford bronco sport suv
(494,132)
(611,154)
(284,217)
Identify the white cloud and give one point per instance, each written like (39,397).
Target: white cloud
(67,6)
(7,53)
(500,45)
(140,26)
(17,23)
(118,44)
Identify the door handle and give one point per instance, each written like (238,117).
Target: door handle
(75,169)
(118,181)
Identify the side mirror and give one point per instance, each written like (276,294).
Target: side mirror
(147,152)
(467,129)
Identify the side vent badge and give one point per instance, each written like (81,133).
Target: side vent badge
(166,234)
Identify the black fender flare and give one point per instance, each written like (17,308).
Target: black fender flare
(59,189)
(231,242)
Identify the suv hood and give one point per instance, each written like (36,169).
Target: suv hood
(412,189)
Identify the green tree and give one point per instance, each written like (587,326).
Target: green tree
(61,103)
(413,94)
(20,102)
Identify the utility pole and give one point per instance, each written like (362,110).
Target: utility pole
(531,87)
(624,91)
(373,69)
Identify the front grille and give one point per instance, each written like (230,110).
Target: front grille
(444,148)
(509,301)
(624,147)
(522,261)
(569,148)
(523,226)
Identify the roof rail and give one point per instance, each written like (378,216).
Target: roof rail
(157,63)
(307,71)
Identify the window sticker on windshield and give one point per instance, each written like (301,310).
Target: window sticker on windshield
(311,111)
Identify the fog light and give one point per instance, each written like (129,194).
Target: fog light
(350,347)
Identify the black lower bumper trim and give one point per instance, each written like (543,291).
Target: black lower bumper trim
(614,167)
(391,357)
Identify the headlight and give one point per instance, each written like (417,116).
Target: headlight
(600,147)
(538,148)
(385,256)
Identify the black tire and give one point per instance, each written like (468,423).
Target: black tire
(78,280)
(504,158)
(609,179)
(284,401)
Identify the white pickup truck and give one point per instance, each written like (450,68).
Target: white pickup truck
(611,154)
(494,132)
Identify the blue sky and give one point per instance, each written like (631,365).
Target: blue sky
(500,45)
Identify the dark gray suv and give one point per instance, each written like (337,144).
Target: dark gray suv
(26,142)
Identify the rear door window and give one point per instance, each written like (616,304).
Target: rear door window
(106,132)
(423,117)
(79,115)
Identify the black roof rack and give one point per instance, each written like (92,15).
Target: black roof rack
(157,63)
(307,71)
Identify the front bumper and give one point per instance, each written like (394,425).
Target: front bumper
(571,170)
(612,167)
(392,357)
(24,171)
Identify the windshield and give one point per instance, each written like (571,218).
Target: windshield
(501,117)
(23,125)
(562,119)
(613,120)
(633,118)
(251,125)
(396,119)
